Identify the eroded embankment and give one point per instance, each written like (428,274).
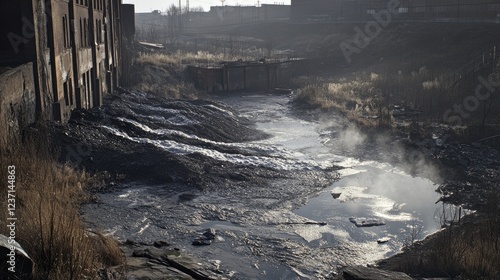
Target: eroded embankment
(161,141)
(162,155)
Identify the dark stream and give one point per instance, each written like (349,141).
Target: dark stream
(268,234)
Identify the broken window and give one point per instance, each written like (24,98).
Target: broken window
(86,38)
(66,32)
(66,93)
(81,33)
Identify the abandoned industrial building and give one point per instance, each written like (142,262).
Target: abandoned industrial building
(58,55)
(408,10)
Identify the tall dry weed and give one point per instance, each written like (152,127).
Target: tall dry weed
(48,197)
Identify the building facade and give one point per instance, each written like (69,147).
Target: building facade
(73,47)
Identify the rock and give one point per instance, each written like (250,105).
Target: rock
(160,243)
(185,197)
(190,267)
(15,262)
(336,195)
(130,242)
(145,253)
(206,238)
(160,263)
(367,273)
(210,234)
(383,240)
(201,241)
(366,222)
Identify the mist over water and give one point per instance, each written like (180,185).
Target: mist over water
(351,138)
(368,188)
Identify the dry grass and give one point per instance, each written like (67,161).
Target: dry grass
(469,249)
(374,94)
(162,74)
(48,196)
(180,58)
(356,99)
(157,59)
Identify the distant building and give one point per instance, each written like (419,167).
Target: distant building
(407,10)
(149,19)
(245,14)
(315,10)
(233,15)
(73,49)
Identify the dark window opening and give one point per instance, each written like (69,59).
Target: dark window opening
(85,33)
(81,33)
(71,101)
(66,93)
(66,32)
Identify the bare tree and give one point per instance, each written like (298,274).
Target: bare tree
(270,44)
(173,16)
(197,9)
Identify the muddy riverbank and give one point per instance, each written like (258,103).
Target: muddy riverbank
(468,167)
(262,176)
(173,166)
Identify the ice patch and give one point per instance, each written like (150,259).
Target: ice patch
(185,149)
(267,149)
(219,109)
(158,109)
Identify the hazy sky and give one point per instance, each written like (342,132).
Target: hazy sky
(142,6)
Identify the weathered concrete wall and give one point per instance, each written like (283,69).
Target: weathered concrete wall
(17,102)
(62,70)
(40,55)
(247,76)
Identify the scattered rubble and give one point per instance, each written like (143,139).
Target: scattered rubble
(336,195)
(366,222)
(159,260)
(206,238)
(383,240)
(368,273)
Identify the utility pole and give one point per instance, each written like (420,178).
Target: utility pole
(223,9)
(180,17)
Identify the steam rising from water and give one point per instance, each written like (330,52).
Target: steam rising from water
(351,138)
(382,147)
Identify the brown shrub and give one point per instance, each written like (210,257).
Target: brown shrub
(49,228)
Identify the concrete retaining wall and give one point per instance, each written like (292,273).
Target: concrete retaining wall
(17,102)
